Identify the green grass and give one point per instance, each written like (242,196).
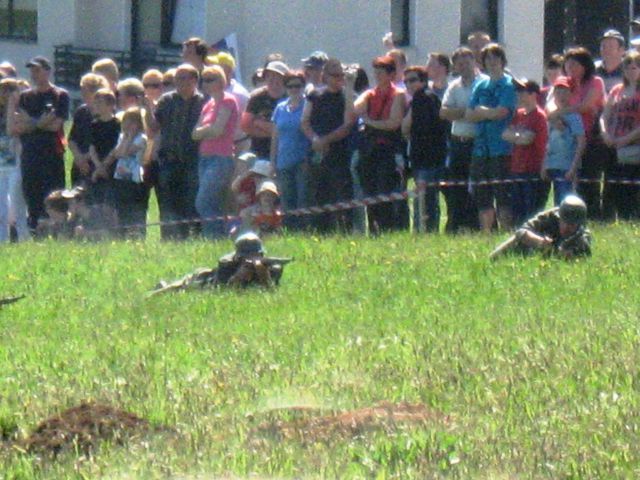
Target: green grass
(534,361)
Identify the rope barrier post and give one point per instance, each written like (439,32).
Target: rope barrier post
(422,207)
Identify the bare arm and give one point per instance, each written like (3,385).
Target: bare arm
(451,114)
(214,130)
(255,126)
(480,114)
(407,122)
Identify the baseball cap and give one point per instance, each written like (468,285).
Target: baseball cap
(529,86)
(39,61)
(222,58)
(317,59)
(262,167)
(562,82)
(278,67)
(613,33)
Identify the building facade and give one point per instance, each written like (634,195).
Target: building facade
(348,29)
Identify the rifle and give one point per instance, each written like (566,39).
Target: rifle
(9,300)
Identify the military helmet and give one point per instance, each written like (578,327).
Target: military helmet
(573,210)
(248,244)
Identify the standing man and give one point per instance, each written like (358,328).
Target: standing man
(41,115)
(609,68)
(461,209)
(327,120)
(174,117)
(256,120)
(492,105)
(438,67)
(313,66)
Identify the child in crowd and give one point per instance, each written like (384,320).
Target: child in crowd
(566,146)
(246,184)
(105,130)
(264,216)
(57,224)
(129,193)
(528,133)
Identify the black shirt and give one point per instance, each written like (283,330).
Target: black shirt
(428,132)
(80,132)
(104,138)
(177,118)
(43,145)
(262,105)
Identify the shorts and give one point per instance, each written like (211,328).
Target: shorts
(488,169)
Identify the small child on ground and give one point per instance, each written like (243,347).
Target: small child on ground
(264,216)
(246,184)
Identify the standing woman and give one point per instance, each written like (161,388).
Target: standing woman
(381,110)
(620,124)
(587,99)
(290,146)
(215,131)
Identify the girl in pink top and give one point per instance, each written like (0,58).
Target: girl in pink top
(215,131)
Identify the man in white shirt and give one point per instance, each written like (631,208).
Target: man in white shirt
(461,211)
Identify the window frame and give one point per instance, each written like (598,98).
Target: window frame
(405,39)
(11,25)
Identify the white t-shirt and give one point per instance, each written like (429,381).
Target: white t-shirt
(130,168)
(457,96)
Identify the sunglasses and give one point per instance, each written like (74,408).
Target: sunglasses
(210,79)
(336,75)
(294,85)
(411,80)
(152,85)
(167,83)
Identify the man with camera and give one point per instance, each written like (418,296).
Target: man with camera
(42,112)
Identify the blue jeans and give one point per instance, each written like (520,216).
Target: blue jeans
(525,196)
(561,186)
(292,183)
(431,201)
(215,174)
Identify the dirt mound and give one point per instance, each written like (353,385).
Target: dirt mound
(82,427)
(351,423)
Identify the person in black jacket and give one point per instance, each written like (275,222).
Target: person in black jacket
(427,135)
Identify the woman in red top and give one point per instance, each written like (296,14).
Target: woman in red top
(587,99)
(620,124)
(381,110)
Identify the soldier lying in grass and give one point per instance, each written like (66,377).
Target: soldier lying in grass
(559,231)
(242,268)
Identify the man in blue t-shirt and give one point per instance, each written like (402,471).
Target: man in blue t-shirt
(491,107)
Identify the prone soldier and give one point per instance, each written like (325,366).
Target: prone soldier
(558,231)
(247,266)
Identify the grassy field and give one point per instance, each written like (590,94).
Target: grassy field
(529,367)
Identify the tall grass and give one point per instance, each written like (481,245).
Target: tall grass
(533,362)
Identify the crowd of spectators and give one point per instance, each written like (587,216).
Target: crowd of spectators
(222,159)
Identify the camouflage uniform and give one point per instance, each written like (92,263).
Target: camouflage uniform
(246,266)
(547,224)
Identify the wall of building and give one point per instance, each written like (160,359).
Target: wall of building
(524,46)
(103,24)
(56,25)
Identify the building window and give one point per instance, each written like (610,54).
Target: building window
(400,15)
(479,15)
(19,19)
